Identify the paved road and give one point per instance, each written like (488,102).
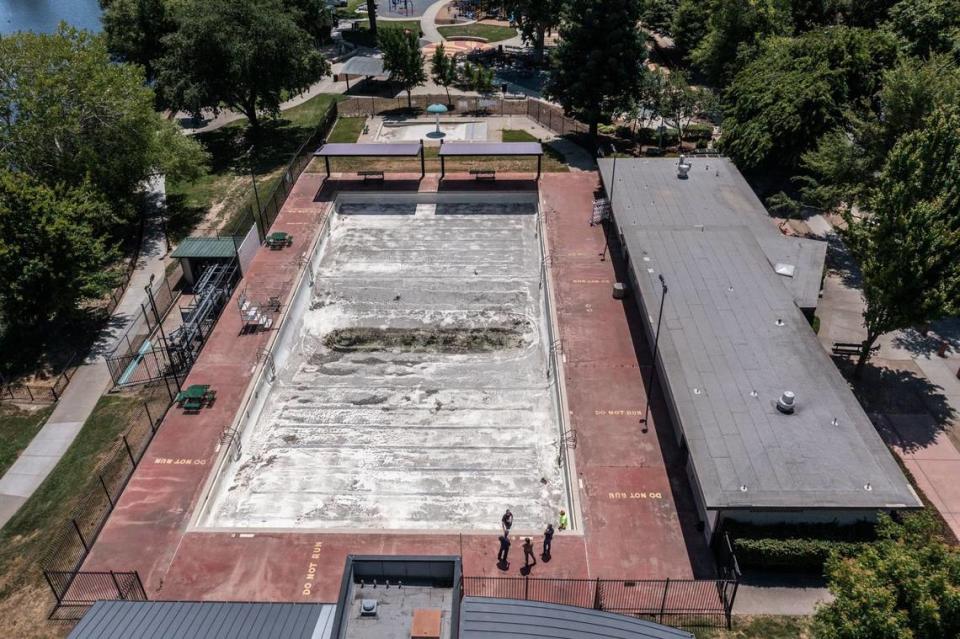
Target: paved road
(89,382)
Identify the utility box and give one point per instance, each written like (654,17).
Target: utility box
(620,291)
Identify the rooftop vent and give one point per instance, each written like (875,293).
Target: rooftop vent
(368,607)
(787,403)
(683,168)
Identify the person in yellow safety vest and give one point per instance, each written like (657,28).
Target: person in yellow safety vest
(564,521)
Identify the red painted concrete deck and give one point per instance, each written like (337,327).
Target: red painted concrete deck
(638,518)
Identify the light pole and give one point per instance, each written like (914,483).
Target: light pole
(656,345)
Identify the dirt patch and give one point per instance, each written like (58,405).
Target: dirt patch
(426,340)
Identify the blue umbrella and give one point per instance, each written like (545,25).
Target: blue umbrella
(437,109)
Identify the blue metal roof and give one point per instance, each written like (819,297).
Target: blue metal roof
(204,620)
(483,618)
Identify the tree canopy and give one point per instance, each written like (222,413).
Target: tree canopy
(243,54)
(798,89)
(70,116)
(51,255)
(904,586)
(908,245)
(598,63)
(535,18)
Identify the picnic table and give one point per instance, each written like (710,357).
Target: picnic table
(279,240)
(194,397)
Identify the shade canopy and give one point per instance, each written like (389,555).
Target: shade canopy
(369,150)
(436,108)
(490,148)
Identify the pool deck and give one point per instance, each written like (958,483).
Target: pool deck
(638,516)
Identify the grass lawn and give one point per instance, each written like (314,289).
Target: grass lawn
(17,428)
(761,628)
(25,598)
(489,32)
(226,192)
(347,130)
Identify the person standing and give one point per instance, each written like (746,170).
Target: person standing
(547,542)
(506,522)
(564,521)
(528,553)
(504,551)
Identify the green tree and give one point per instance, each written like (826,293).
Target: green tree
(904,586)
(403,59)
(535,18)
(797,89)
(908,246)
(68,115)
(928,26)
(246,55)
(135,29)
(443,69)
(657,15)
(845,165)
(689,24)
(597,65)
(51,256)
(679,103)
(734,28)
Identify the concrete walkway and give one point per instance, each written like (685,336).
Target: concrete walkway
(911,393)
(428,21)
(89,382)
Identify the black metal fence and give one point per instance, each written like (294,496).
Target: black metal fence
(272,202)
(40,393)
(73,588)
(87,588)
(675,602)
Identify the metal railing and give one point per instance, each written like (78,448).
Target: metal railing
(77,591)
(40,393)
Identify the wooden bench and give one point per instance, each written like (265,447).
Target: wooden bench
(484,174)
(426,624)
(371,175)
(846,349)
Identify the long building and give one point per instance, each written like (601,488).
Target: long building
(735,337)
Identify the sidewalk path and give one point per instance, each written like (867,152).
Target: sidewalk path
(912,394)
(428,21)
(89,382)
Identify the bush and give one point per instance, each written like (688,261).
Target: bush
(808,555)
(801,547)
(696,132)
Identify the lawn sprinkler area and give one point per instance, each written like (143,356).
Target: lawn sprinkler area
(422,130)
(411,387)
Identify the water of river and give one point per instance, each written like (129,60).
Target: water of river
(43,16)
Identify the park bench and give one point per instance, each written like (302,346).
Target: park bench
(196,397)
(484,174)
(847,349)
(371,175)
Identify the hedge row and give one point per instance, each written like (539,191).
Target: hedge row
(808,555)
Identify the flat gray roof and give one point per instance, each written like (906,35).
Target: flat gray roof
(733,340)
(369,150)
(490,148)
(204,620)
(482,618)
(364,66)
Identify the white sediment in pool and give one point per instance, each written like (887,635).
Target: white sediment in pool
(405,438)
(465,131)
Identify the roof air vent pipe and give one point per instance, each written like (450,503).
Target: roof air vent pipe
(787,403)
(683,168)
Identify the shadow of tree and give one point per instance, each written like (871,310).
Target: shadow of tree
(917,343)
(892,391)
(841,262)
